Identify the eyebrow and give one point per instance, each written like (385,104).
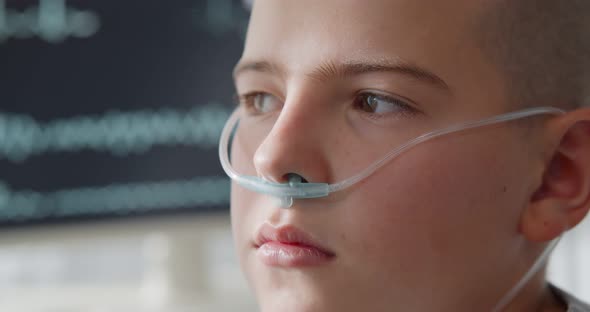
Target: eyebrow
(350,68)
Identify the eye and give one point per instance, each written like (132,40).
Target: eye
(260,102)
(380,105)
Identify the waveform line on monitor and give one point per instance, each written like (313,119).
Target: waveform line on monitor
(51,20)
(119,133)
(124,198)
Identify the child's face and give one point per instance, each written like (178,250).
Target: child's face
(436,227)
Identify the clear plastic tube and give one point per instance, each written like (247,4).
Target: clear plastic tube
(511,294)
(294,190)
(284,191)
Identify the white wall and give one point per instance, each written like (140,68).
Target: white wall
(569,267)
(172,264)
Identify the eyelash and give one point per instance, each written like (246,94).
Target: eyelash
(246,100)
(407,110)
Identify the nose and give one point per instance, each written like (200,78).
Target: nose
(295,148)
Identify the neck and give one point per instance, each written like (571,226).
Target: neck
(537,296)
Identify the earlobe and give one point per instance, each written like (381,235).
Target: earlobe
(562,199)
(543,222)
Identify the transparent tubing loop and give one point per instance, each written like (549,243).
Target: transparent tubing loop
(294,189)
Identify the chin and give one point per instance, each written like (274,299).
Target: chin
(292,303)
(302,293)
(287,294)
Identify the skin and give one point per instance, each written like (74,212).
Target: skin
(452,224)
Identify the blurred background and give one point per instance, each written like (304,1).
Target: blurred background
(111,194)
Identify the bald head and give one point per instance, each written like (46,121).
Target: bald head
(543,46)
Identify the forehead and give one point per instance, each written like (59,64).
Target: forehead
(303,33)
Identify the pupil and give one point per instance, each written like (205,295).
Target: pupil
(259,102)
(371,103)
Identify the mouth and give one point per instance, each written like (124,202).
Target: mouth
(288,246)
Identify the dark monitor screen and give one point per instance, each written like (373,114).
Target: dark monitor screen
(112,108)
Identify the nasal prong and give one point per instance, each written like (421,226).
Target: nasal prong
(293,179)
(286,202)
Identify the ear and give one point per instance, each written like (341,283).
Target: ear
(563,198)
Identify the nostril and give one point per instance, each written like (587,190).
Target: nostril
(293,178)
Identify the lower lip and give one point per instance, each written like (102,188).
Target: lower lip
(288,255)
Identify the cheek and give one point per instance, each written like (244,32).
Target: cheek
(245,210)
(431,208)
(248,211)
(243,213)
(244,205)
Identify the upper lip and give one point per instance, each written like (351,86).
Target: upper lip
(287,234)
